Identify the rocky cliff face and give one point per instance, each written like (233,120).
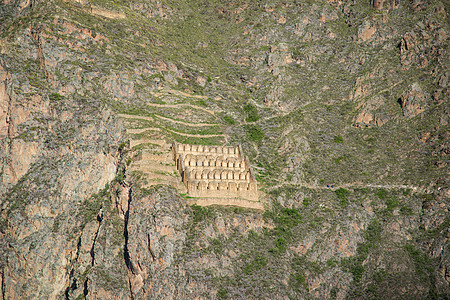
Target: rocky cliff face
(342,108)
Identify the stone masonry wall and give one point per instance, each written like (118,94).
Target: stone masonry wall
(215,172)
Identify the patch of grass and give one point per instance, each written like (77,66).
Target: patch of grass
(382,194)
(229,120)
(307,202)
(90,207)
(332,263)
(357,271)
(299,280)
(120,177)
(422,262)
(200,213)
(256,264)
(252,113)
(280,246)
(201,103)
(391,204)
(222,293)
(254,133)
(406,211)
(342,195)
(288,217)
(217,246)
(373,232)
(55,97)
(285,219)
(354,265)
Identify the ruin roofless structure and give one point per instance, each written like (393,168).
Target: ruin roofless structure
(216,175)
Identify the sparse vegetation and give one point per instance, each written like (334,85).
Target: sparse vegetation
(252,113)
(229,120)
(200,213)
(307,202)
(342,195)
(91,206)
(222,293)
(254,133)
(55,97)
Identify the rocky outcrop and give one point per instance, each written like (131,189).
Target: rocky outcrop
(371,113)
(18,151)
(414,101)
(366,31)
(278,56)
(55,151)
(39,215)
(156,231)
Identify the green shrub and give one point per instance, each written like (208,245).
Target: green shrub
(331,263)
(342,195)
(122,146)
(222,293)
(338,139)
(280,246)
(391,204)
(119,178)
(252,113)
(285,219)
(202,103)
(357,271)
(406,211)
(422,262)
(382,194)
(289,217)
(299,280)
(380,275)
(373,232)
(200,213)
(307,202)
(216,246)
(258,263)
(255,133)
(55,97)
(229,120)
(90,208)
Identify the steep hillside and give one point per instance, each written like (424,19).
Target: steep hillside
(341,106)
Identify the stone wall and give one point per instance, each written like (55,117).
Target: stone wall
(215,172)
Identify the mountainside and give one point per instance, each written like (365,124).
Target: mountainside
(341,106)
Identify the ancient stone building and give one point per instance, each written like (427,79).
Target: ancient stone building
(216,174)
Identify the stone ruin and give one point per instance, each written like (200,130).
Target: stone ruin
(216,172)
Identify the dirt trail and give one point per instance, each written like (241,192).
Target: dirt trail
(185,123)
(179,105)
(126,116)
(178,93)
(354,185)
(196,135)
(142,130)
